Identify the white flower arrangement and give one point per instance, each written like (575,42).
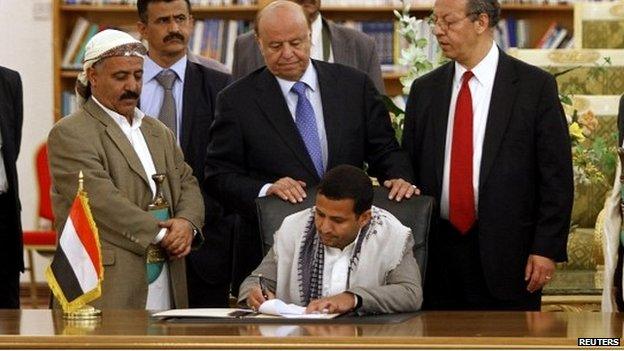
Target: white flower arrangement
(419,55)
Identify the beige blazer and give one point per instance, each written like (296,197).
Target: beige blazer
(609,224)
(119,193)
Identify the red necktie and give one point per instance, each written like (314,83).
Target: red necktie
(461,192)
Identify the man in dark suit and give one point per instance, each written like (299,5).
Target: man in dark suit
(277,130)
(331,42)
(488,138)
(190,101)
(11,258)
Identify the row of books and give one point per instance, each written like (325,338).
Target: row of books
(514,33)
(395,3)
(215,38)
(81,33)
(133,2)
(389,42)
(556,37)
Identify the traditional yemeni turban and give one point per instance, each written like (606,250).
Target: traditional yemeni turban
(107,43)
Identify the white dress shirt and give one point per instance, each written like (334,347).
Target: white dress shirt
(336,268)
(313,93)
(316,51)
(481,91)
(158,294)
(153,93)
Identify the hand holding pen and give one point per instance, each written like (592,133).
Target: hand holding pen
(263,287)
(259,293)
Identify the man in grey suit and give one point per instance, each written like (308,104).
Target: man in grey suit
(118,150)
(355,256)
(331,42)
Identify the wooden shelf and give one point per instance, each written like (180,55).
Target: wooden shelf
(132,8)
(539,18)
(67,73)
(332,8)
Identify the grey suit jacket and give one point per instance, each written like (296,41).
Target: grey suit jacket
(401,293)
(119,193)
(207,62)
(350,47)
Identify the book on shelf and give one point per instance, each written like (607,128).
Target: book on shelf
(74,42)
(215,38)
(68,103)
(511,33)
(514,33)
(555,37)
(82,32)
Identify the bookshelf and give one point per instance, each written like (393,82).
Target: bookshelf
(65,16)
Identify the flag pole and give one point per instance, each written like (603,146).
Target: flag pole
(86,312)
(80,182)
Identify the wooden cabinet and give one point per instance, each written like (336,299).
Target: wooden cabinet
(539,18)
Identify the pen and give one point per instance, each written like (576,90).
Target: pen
(263,287)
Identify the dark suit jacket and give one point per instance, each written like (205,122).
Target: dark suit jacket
(11,118)
(201,86)
(525,183)
(254,140)
(350,47)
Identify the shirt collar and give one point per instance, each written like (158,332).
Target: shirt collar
(120,119)
(309,77)
(348,248)
(151,69)
(317,31)
(484,71)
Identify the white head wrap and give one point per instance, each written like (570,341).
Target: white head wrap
(107,43)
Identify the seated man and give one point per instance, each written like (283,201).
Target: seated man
(341,255)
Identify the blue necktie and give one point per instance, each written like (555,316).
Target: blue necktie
(306,123)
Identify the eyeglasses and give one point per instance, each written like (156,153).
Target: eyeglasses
(444,25)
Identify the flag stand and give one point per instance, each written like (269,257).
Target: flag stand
(86,312)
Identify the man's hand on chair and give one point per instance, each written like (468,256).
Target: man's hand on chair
(288,189)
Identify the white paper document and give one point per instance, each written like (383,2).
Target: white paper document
(269,309)
(277,307)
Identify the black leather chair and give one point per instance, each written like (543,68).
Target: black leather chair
(414,213)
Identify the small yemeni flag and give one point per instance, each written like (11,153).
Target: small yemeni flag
(76,273)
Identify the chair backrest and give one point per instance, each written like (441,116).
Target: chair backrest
(44,182)
(414,213)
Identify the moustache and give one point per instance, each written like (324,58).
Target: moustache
(129,95)
(172,36)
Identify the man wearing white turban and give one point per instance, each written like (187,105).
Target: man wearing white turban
(119,150)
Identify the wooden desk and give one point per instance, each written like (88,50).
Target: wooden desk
(134,329)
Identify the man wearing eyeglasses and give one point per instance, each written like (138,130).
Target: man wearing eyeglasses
(488,138)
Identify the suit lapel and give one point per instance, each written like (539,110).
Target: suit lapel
(154,143)
(501,104)
(192,80)
(440,111)
(271,101)
(118,137)
(333,110)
